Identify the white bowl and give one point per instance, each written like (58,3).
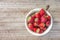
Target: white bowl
(36,34)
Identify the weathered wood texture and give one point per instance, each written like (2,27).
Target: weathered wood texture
(12,16)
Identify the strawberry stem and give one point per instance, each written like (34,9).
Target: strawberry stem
(47,7)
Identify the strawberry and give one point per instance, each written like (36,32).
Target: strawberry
(38,30)
(37,15)
(33,16)
(48,17)
(35,24)
(42,25)
(41,31)
(43,19)
(30,19)
(42,12)
(47,23)
(34,29)
(37,20)
(30,26)
(44,28)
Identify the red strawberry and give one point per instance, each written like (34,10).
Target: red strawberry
(41,25)
(37,15)
(41,31)
(30,26)
(33,16)
(44,28)
(47,23)
(37,20)
(43,19)
(48,17)
(35,24)
(30,19)
(34,29)
(42,12)
(38,30)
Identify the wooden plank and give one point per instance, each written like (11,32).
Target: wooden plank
(12,18)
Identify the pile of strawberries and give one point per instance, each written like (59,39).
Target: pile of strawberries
(39,21)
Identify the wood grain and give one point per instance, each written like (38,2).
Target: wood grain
(12,19)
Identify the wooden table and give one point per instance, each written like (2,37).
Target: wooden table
(12,16)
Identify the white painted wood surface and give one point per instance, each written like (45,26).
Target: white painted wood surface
(12,16)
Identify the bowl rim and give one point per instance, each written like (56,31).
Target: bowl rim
(47,30)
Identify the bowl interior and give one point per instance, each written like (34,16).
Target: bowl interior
(32,12)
